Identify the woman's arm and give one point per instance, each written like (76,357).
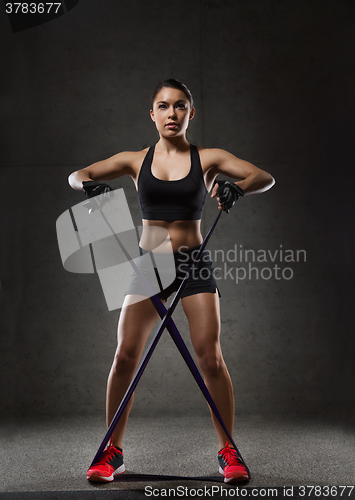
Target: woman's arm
(116,166)
(251,178)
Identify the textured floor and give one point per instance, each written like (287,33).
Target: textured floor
(53,455)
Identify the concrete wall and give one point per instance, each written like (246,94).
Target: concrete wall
(273,84)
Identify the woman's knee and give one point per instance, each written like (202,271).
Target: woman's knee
(210,362)
(124,362)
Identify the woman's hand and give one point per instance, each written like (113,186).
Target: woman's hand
(101,193)
(93,188)
(227,194)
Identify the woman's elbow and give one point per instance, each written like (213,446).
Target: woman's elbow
(268,181)
(271,181)
(75,180)
(71,179)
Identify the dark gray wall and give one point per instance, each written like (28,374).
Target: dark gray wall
(273,83)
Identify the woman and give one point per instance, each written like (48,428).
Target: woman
(172,179)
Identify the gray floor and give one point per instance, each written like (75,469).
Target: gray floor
(53,455)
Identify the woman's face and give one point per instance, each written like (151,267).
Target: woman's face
(171,112)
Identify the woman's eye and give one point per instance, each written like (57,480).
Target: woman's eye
(162,106)
(182,106)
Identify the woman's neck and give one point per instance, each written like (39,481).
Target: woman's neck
(173,144)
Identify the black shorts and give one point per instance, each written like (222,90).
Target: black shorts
(202,279)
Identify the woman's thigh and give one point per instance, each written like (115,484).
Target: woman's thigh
(135,323)
(203,313)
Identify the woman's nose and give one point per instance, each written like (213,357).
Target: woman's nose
(172,112)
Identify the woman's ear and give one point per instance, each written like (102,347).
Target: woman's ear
(152,115)
(192,113)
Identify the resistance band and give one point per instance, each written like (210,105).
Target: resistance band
(168,323)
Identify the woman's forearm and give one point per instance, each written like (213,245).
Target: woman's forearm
(257,182)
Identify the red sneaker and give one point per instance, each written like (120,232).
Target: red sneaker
(110,464)
(231,466)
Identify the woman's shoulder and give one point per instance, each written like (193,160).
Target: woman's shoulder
(211,151)
(133,155)
(211,157)
(132,159)
(122,163)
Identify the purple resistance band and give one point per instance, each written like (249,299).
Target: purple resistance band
(168,323)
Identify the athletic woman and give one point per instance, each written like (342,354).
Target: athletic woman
(172,179)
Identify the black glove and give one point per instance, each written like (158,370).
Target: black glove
(228,193)
(98,190)
(93,188)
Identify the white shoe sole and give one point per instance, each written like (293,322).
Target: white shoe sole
(96,477)
(235,479)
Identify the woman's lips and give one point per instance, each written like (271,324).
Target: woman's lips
(171,125)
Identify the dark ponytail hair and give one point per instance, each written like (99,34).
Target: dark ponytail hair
(174,84)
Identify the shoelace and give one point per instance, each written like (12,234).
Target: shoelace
(109,453)
(230,455)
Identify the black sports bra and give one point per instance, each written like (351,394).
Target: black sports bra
(182,199)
